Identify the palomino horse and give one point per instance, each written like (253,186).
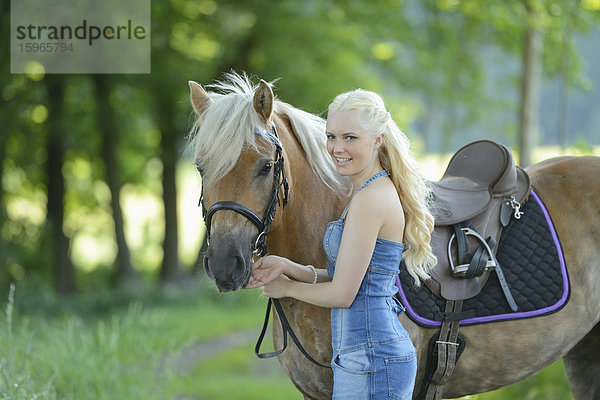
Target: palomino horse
(233,142)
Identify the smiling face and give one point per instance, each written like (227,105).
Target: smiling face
(352,147)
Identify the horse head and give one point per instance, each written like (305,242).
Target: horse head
(238,155)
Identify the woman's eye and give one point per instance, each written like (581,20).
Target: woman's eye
(330,137)
(350,138)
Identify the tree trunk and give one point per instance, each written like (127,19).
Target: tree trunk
(64,269)
(562,112)
(109,131)
(170,267)
(3,138)
(564,85)
(531,79)
(429,126)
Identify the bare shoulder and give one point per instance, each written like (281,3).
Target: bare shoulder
(379,199)
(376,210)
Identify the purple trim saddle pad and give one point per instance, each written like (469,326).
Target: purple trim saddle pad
(533,264)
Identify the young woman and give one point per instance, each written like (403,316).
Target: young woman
(386,219)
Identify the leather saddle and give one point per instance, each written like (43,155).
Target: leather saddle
(481,190)
(483,185)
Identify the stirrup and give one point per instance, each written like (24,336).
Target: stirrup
(461,269)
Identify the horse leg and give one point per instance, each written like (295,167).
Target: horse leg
(583,366)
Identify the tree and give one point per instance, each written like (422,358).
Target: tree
(64,269)
(531,79)
(110,132)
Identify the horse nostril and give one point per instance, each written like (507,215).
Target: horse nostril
(241,267)
(206,267)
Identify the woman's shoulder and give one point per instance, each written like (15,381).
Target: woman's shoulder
(380,197)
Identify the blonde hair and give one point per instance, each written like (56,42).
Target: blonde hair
(395,156)
(230,125)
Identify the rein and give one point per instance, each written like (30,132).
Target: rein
(260,244)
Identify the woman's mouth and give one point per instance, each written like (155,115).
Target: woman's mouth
(342,161)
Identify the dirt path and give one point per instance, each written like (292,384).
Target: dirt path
(197,352)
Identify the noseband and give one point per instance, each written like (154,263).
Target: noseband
(263,225)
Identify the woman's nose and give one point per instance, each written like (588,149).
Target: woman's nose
(338,147)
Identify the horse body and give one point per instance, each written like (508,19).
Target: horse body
(496,354)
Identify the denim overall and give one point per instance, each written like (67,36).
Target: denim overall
(373,356)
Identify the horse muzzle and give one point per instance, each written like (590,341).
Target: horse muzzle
(229,265)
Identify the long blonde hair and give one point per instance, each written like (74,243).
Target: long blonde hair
(395,156)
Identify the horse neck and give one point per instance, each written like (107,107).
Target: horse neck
(299,226)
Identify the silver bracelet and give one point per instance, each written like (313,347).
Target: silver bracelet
(314,272)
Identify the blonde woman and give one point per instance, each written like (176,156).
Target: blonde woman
(387,219)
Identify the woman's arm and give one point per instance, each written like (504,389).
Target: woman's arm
(266,269)
(362,226)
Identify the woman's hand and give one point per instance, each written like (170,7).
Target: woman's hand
(265,270)
(277,288)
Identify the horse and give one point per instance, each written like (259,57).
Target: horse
(239,136)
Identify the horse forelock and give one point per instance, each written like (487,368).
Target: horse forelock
(229,125)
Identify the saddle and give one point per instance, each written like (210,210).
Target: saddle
(482,185)
(481,190)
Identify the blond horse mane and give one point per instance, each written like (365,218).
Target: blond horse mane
(229,125)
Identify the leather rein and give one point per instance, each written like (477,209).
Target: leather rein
(260,244)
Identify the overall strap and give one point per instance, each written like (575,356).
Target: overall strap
(380,174)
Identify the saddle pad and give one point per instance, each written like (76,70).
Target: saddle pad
(532,261)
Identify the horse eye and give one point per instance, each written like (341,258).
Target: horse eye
(266,169)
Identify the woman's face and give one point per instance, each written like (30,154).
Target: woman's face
(352,148)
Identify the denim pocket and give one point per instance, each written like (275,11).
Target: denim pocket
(354,362)
(352,375)
(401,373)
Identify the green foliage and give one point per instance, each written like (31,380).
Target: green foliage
(82,358)
(445,68)
(112,344)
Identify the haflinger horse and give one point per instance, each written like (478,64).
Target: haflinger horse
(241,137)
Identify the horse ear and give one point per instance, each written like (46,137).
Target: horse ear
(263,100)
(198,97)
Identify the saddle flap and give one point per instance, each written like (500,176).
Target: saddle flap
(442,282)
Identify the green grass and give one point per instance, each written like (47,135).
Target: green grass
(124,346)
(71,357)
(238,375)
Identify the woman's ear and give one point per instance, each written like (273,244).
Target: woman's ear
(378,141)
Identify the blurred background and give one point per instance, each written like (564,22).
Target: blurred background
(100,233)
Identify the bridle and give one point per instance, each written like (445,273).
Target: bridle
(263,225)
(260,244)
